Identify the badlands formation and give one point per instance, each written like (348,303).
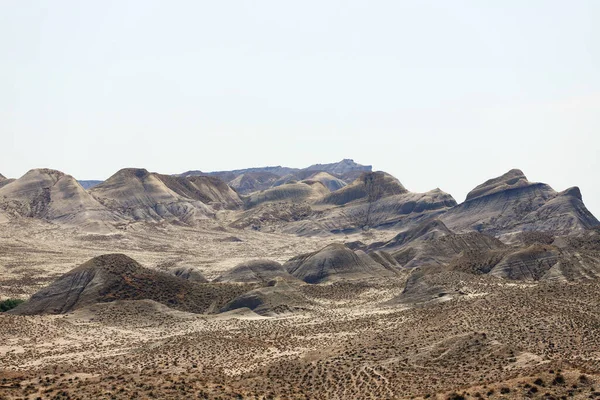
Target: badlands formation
(328,282)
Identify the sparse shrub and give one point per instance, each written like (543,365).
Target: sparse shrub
(539,382)
(558,380)
(9,304)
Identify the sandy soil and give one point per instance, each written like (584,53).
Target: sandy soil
(495,339)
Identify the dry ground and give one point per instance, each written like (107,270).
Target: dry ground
(494,339)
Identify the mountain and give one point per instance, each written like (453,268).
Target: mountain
(564,258)
(141,195)
(335,262)
(370,186)
(4,181)
(426,231)
(510,204)
(249,180)
(373,200)
(426,284)
(54,196)
(340,168)
(378,200)
(295,192)
(443,249)
(255,271)
(113,277)
(253,181)
(207,189)
(89,184)
(331,182)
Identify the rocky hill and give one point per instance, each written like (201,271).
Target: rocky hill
(117,277)
(510,204)
(141,195)
(54,196)
(246,181)
(255,271)
(335,262)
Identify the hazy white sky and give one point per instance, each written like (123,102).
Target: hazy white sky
(438,93)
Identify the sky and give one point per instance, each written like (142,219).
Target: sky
(438,93)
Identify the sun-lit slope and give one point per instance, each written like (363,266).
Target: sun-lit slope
(331,182)
(291,192)
(54,196)
(510,203)
(142,195)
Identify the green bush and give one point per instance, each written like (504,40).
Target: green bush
(9,304)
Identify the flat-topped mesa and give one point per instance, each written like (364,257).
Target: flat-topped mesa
(54,196)
(513,179)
